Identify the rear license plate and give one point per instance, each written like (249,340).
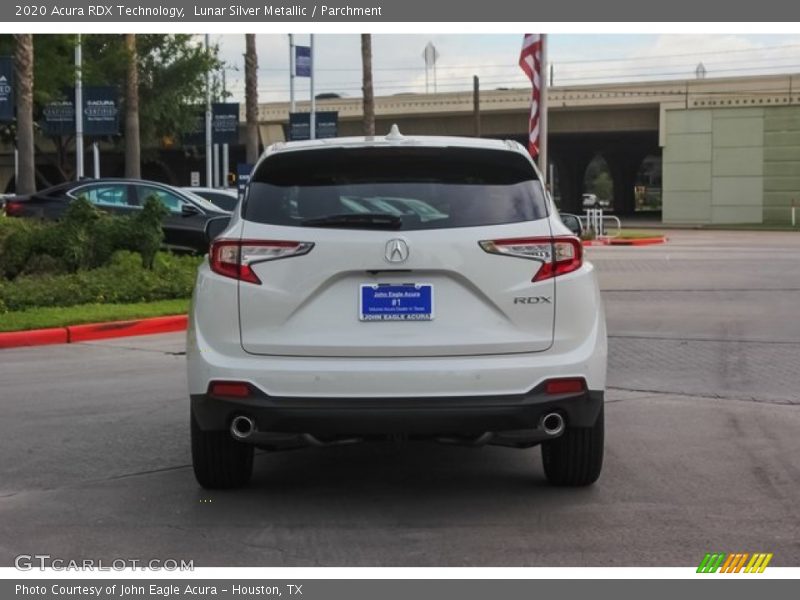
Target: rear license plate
(391,302)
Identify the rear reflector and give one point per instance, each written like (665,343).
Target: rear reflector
(568,385)
(234,258)
(559,255)
(231,389)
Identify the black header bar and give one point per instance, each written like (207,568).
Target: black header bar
(388,11)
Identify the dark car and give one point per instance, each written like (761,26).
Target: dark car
(225,199)
(184,226)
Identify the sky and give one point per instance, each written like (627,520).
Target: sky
(398,65)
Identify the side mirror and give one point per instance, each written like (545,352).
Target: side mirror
(573,223)
(214,227)
(190,210)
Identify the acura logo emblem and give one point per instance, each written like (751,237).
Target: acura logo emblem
(396,251)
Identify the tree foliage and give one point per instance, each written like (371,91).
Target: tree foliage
(172,70)
(597,179)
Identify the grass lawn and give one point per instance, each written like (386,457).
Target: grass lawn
(638,234)
(56,316)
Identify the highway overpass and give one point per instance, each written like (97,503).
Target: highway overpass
(730,148)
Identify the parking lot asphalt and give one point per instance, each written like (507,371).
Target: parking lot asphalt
(702,446)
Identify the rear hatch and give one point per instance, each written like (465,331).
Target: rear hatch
(396,268)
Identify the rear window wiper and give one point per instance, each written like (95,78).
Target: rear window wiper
(356,220)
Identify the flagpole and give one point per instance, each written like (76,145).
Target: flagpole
(543,115)
(312,119)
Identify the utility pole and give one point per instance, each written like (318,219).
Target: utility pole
(209,163)
(78,109)
(476,104)
(225,150)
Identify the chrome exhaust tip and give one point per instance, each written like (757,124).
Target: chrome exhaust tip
(242,427)
(553,424)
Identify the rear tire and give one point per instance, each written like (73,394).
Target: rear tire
(219,461)
(575,458)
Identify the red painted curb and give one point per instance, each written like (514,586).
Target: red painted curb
(624,242)
(33,337)
(114,329)
(92,331)
(639,241)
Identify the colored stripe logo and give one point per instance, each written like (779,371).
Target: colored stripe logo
(738,562)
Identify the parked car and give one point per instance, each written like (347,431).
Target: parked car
(225,199)
(573,223)
(592,201)
(184,226)
(316,323)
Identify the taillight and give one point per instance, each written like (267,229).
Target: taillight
(559,256)
(14,209)
(235,258)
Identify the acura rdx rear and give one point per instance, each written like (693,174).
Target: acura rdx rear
(397,286)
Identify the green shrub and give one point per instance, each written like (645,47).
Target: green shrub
(9,225)
(124,279)
(17,240)
(43,264)
(147,231)
(85,238)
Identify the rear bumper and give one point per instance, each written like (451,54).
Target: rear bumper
(413,416)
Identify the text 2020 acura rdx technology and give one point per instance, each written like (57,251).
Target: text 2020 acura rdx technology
(412,287)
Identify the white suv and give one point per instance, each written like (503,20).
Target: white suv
(413,287)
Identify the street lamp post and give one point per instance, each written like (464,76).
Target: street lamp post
(78,109)
(209,163)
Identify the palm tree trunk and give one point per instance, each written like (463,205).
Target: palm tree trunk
(251,96)
(23,75)
(133,160)
(369,98)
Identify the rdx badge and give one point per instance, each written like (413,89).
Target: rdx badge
(533,300)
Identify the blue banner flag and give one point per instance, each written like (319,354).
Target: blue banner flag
(302,61)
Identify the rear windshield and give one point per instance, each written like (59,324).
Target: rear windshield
(419,188)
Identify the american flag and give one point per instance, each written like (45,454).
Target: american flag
(530,60)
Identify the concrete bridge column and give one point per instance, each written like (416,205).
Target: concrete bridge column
(624,166)
(571,164)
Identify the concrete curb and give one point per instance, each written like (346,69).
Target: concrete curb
(92,331)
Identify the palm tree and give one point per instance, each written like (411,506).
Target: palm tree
(251,97)
(23,75)
(369,97)
(133,149)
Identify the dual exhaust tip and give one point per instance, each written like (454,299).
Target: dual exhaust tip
(242,427)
